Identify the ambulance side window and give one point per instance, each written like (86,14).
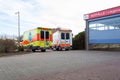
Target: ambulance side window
(62,35)
(42,34)
(67,36)
(47,35)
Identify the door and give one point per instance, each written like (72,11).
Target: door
(65,39)
(45,38)
(67,36)
(62,40)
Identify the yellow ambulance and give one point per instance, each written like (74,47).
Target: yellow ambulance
(37,39)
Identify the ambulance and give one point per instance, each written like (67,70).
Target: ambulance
(62,39)
(37,39)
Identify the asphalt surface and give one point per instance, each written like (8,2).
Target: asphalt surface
(61,65)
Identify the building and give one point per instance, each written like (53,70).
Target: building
(103,27)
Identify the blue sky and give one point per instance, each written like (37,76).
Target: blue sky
(48,13)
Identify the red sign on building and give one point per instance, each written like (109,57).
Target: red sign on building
(107,12)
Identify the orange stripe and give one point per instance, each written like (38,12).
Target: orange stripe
(24,42)
(51,37)
(38,37)
(68,45)
(34,38)
(63,44)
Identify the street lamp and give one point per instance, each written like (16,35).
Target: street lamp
(18,13)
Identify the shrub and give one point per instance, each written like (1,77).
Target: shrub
(79,41)
(20,48)
(7,45)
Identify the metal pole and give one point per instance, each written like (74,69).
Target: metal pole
(19,26)
(18,13)
(87,36)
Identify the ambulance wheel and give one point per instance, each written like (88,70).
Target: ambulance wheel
(43,50)
(66,49)
(57,49)
(33,50)
(54,49)
(60,49)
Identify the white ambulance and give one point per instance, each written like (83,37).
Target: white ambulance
(62,39)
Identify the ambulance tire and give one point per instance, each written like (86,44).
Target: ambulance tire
(33,50)
(66,49)
(43,50)
(57,49)
(54,49)
(60,49)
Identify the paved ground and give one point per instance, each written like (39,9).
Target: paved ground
(61,65)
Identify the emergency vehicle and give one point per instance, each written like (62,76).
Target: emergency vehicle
(62,39)
(37,39)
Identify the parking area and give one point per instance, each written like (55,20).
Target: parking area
(61,65)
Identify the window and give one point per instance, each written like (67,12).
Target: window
(30,36)
(47,35)
(62,35)
(67,36)
(105,24)
(42,34)
(105,30)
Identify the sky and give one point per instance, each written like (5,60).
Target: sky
(48,13)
